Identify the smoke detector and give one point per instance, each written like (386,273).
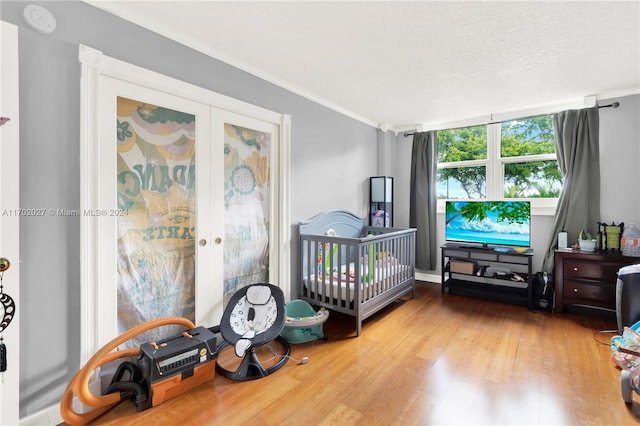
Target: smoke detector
(39,18)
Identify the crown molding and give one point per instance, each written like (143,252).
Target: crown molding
(575,103)
(235,62)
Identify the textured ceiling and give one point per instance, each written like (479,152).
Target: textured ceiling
(401,64)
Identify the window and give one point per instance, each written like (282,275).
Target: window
(513,159)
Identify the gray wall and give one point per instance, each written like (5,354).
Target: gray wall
(619,173)
(331,158)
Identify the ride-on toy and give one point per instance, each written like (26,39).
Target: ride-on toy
(626,356)
(628,383)
(629,378)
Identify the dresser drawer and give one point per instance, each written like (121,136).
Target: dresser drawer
(587,279)
(598,271)
(590,293)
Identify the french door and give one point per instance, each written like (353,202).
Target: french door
(250,239)
(155,151)
(183,200)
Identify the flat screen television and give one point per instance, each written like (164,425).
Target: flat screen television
(500,223)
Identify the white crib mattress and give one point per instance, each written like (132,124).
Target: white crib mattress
(340,282)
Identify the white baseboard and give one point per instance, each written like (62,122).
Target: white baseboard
(49,416)
(432,278)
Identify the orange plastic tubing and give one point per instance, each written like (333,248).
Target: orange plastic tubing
(79,385)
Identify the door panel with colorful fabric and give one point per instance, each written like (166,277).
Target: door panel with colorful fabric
(250,148)
(156,233)
(155,198)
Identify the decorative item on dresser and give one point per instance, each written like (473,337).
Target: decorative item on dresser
(588,279)
(609,237)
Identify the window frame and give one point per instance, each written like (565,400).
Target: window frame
(494,167)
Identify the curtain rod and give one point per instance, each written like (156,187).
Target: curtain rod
(612,105)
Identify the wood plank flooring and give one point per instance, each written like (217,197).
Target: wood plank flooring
(436,359)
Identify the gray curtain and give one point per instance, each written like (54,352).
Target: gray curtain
(577,145)
(423,197)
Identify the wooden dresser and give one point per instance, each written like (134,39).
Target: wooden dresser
(587,279)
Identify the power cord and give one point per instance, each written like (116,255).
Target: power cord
(303,360)
(595,333)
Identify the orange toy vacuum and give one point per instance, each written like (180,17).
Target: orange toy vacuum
(161,370)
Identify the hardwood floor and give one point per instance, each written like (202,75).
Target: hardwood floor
(435,359)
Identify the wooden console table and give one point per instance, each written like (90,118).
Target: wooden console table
(587,279)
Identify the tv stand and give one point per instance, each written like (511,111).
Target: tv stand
(481,272)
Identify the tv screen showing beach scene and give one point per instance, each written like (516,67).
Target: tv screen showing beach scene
(500,223)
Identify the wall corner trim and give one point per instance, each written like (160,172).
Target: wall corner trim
(89,56)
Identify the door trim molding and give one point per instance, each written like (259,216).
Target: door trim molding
(10,224)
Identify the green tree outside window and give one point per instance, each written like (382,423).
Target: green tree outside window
(527,158)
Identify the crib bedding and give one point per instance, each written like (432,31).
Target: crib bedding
(339,255)
(346,279)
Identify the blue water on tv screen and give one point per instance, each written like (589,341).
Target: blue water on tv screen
(489,222)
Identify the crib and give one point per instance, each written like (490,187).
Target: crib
(351,268)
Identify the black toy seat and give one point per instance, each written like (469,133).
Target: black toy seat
(254,317)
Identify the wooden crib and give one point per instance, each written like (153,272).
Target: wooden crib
(351,268)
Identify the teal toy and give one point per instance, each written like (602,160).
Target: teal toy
(303,324)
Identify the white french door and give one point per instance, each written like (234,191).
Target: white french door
(250,215)
(183,199)
(154,207)
(10,223)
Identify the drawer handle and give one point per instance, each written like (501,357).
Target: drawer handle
(575,268)
(575,290)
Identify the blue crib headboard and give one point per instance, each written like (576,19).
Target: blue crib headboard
(345,223)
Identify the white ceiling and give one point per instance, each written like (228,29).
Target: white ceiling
(400,64)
